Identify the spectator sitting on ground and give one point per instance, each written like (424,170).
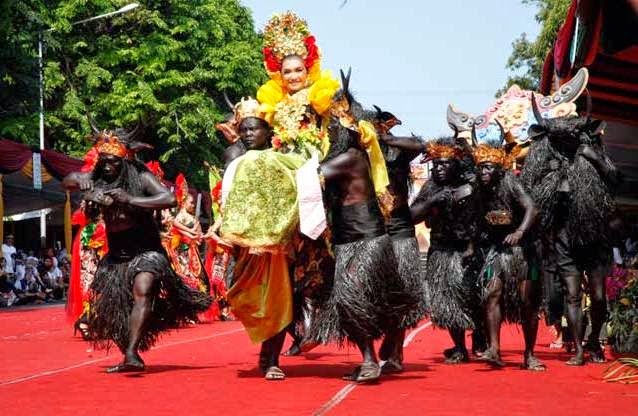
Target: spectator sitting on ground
(8,296)
(52,279)
(65,268)
(19,264)
(29,288)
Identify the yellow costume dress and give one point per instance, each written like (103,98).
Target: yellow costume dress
(261,213)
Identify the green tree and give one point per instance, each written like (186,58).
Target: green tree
(19,24)
(167,64)
(528,56)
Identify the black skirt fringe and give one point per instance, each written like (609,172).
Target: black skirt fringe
(360,304)
(174,303)
(411,279)
(450,290)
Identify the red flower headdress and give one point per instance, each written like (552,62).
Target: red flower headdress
(90,160)
(156,169)
(181,189)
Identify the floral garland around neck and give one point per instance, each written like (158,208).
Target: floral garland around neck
(292,131)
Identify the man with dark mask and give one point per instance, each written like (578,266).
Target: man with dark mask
(367,296)
(570,179)
(135,294)
(449,206)
(509,277)
(401,230)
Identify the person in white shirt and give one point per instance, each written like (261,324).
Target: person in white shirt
(9,252)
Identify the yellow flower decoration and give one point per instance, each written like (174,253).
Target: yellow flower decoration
(321,92)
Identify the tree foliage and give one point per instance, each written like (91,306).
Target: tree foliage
(165,64)
(528,56)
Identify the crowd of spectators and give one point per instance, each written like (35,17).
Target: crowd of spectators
(29,279)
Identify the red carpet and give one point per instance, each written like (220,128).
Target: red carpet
(210,369)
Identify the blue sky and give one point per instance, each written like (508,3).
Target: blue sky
(414,57)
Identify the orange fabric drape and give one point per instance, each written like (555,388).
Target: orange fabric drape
(74,300)
(261,296)
(27,170)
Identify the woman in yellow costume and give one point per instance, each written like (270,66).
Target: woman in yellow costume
(259,193)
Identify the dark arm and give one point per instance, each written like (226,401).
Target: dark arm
(231,153)
(78,181)
(606,169)
(424,208)
(531,213)
(158,196)
(412,144)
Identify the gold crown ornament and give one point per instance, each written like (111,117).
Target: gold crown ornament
(247,107)
(287,34)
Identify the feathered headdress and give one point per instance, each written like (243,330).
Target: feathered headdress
(118,142)
(156,169)
(287,34)
(181,189)
(444,148)
(90,160)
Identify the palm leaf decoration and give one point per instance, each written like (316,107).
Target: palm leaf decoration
(623,370)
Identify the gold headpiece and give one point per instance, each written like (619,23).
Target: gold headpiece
(484,153)
(443,151)
(287,34)
(247,107)
(109,143)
